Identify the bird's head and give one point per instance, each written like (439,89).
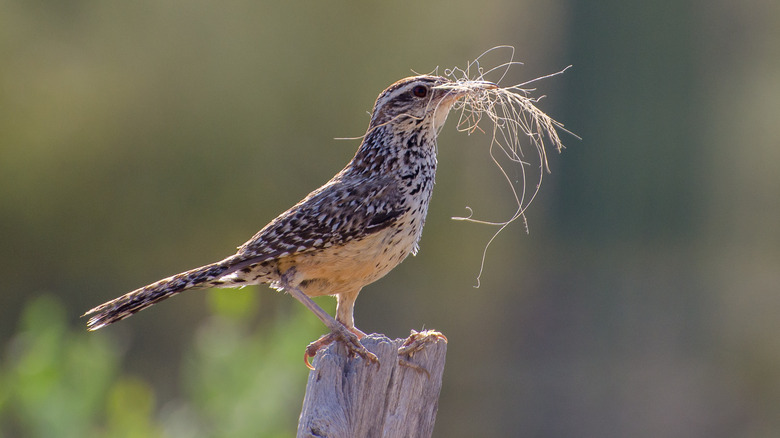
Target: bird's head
(408,114)
(419,101)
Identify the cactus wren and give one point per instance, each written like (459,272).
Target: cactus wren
(348,233)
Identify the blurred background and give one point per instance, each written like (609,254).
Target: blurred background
(140,139)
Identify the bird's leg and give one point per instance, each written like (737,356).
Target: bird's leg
(338,331)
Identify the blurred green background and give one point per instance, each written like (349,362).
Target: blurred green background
(140,139)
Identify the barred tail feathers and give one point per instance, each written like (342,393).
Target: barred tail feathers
(139,299)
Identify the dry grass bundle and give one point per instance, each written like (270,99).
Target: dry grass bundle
(515,120)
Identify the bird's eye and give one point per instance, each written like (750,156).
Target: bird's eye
(420,91)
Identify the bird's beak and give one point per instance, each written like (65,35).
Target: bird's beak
(466,85)
(484,84)
(456,91)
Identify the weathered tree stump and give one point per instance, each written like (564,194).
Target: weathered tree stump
(349,397)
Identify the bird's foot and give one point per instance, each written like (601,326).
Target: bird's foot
(351,339)
(417,340)
(414,343)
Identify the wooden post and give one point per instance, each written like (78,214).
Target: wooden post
(348,397)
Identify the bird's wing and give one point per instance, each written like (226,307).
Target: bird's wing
(332,215)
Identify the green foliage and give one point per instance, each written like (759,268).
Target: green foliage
(244,384)
(237,381)
(55,380)
(129,410)
(233,303)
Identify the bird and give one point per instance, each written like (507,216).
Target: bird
(344,235)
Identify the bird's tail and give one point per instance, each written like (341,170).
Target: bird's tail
(139,299)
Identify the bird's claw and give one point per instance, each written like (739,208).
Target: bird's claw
(417,340)
(350,340)
(414,343)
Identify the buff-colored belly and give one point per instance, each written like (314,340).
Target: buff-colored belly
(347,268)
